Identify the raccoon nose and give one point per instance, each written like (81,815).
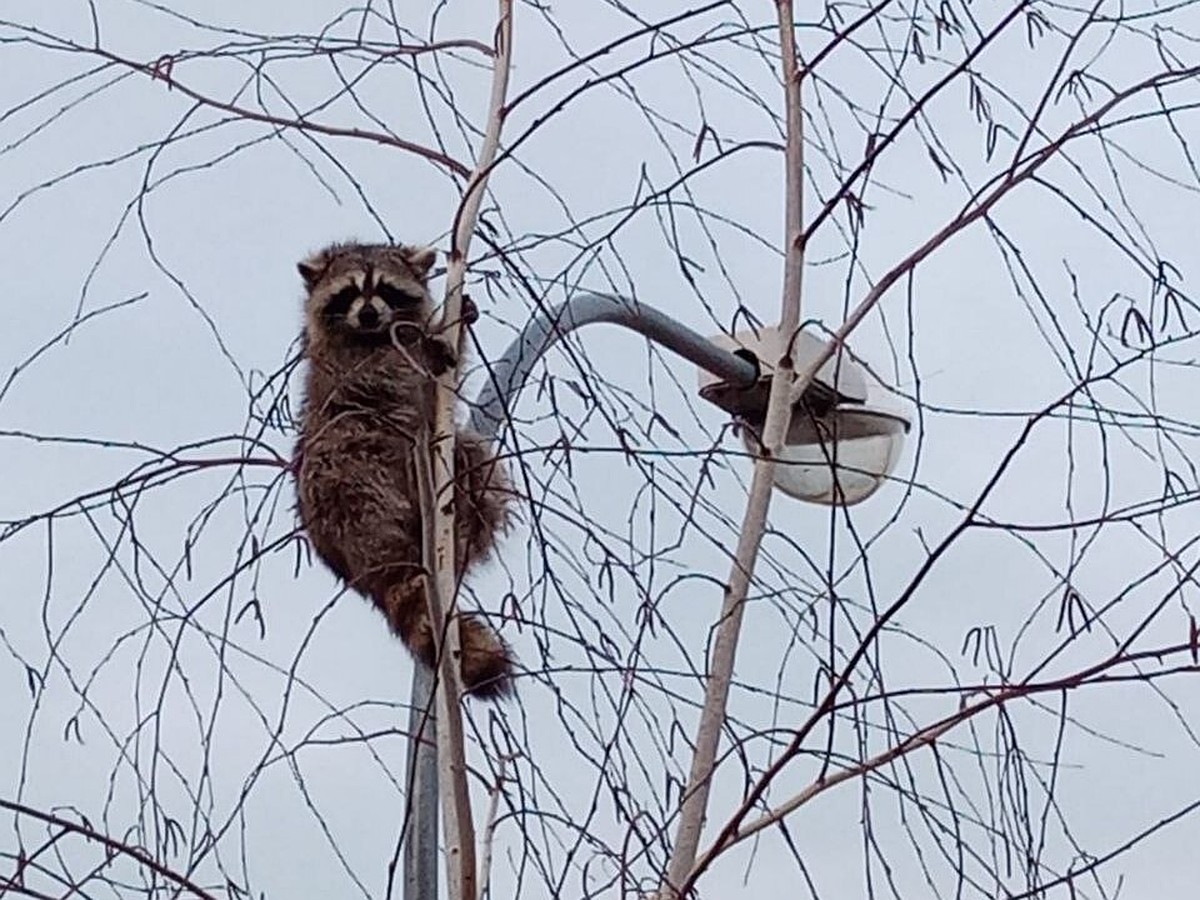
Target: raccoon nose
(368,317)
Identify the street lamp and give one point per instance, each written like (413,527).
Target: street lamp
(842,443)
(840,447)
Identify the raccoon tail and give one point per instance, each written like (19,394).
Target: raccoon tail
(487,661)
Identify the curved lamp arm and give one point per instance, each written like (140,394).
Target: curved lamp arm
(509,373)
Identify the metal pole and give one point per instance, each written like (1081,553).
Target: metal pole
(507,376)
(421,831)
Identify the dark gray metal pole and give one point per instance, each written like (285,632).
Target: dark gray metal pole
(421,830)
(506,378)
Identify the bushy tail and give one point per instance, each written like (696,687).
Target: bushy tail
(487,661)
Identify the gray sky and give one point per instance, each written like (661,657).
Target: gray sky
(205,231)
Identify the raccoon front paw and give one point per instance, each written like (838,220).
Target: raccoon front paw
(470,312)
(406,334)
(440,357)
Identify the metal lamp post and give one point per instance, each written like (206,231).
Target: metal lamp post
(840,448)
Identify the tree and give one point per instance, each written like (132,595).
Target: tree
(975,685)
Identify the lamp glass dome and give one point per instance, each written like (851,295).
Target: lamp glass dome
(840,459)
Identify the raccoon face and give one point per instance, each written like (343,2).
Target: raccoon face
(357,292)
(366,303)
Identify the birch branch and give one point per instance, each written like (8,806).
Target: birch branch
(462,872)
(778,417)
(451,755)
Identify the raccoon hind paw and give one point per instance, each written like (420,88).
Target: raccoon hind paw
(487,661)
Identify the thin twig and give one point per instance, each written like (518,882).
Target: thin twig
(116,846)
(1003,184)
(161,70)
(998,696)
(489,826)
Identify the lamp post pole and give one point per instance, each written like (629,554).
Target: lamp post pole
(420,836)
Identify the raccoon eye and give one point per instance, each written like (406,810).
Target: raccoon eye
(337,306)
(396,297)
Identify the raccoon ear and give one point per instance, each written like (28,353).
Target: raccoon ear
(421,259)
(312,268)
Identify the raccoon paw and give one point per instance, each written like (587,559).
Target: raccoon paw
(470,312)
(487,661)
(440,357)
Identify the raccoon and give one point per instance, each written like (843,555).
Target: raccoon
(367,398)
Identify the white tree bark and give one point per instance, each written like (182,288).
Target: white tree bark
(462,874)
(779,413)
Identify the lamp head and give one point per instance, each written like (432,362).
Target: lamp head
(839,449)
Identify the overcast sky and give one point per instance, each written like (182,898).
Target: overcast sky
(114,703)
